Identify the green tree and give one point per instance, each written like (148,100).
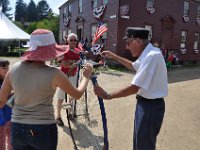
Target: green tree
(43,9)
(32,14)
(20,11)
(51,23)
(5,7)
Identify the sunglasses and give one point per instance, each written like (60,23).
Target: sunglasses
(73,40)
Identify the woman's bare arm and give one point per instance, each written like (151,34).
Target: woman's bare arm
(5,90)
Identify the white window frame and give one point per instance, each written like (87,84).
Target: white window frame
(69,9)
(80,6)
(69,31)
(94,3)
(186,8)
(183,39)
(198,12)
(196,40)
(150,3)
(150,28)
(105,2)
(93,30)
(64,34)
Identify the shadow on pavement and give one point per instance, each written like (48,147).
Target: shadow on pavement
(84,138)
(183,74)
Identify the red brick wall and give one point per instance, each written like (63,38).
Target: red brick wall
(140,17)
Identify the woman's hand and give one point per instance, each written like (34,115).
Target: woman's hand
(87,70)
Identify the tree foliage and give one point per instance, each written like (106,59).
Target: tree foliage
(32,13)
(20,11)
(40,16)
(51,23)
(43,9)
(5,7)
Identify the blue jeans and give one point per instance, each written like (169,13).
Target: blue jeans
(34,137)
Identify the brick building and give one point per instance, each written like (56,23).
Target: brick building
(174,26)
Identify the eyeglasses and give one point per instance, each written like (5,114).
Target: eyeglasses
(73,40)
(4,67)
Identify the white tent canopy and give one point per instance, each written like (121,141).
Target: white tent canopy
(9,31)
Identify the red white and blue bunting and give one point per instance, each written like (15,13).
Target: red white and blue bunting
(183,50)
(186,18)
(198,21)
(96,49)
(99,11)
(150,10)
(196,51)
(67,20)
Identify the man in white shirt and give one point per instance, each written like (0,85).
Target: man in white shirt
(150,83)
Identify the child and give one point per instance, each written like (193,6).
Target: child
(5,113)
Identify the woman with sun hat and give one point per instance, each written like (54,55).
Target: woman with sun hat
(34,84)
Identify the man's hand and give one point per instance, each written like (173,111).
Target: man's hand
(109,54)
(101,93)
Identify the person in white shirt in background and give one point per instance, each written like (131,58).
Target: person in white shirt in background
(150,83)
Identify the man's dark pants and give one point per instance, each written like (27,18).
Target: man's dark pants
(148,120)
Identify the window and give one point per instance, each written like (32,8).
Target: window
(198,12)
(186,8)
(104,36)
(150,3)
(105,2)
(69,31)
(150,31)
(80,6)
(93,30)
(65,10)
(183,39)
(196,41)
(94,3)
(69,10)
(65,13)
(63,35)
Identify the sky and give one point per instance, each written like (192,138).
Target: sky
(53,4)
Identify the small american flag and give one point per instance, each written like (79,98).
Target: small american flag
(99,31)
(81,44)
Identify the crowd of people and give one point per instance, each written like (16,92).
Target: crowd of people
(34,85)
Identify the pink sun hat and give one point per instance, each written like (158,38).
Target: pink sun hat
(43,47)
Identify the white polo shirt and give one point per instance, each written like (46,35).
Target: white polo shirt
(151,73)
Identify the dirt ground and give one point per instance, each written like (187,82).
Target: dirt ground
(180,129)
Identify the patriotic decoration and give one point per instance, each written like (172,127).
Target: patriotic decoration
(150,10)
(196,51)
(81,45)
(96,49)
(186,18)
(183,50)
(66,20)
(98,12)
(87,45)
(101,29)
(198,21)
